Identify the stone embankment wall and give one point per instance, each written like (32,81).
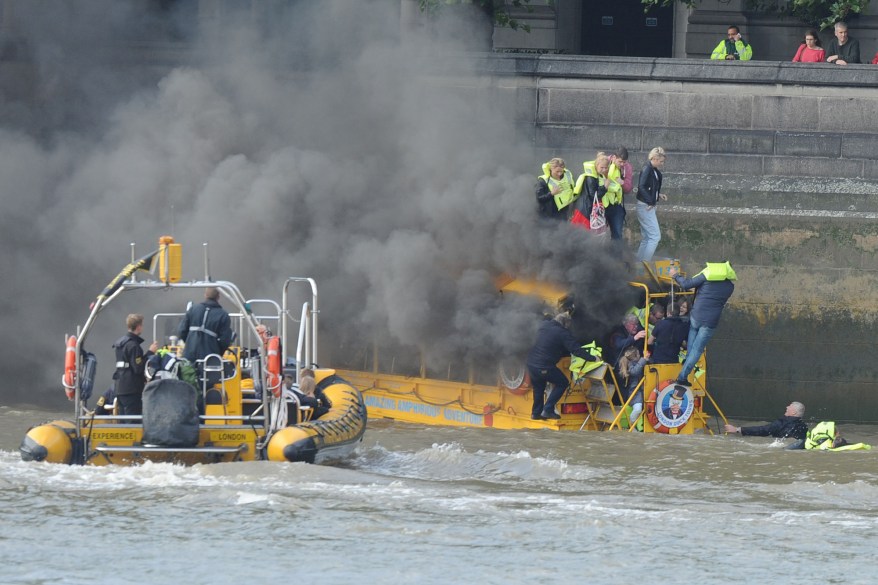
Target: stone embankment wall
(773,166)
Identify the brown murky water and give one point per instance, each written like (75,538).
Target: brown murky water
(441,505)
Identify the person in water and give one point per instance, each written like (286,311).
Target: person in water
(554,341)
(789,426)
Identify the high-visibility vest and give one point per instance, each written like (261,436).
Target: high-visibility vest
(580,366)
(565,196)
(823,435)
(718,271)
(742,49)
(613,196)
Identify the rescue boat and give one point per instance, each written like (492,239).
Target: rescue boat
(246,414)
(594,400)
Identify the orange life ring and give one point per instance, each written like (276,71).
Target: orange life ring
(519,382)
(652,414)
(69,378)
(274,378)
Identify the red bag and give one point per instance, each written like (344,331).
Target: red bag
(580,218)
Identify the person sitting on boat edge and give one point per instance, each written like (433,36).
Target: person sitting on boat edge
(305,394)
(554,341)
(790,425)
(130,374)
(713,287)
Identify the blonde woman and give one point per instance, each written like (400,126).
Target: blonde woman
(648,196)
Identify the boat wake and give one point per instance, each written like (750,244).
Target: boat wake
(453,462)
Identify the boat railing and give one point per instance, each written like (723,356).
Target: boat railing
(306,346)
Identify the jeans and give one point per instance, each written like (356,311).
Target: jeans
(538,379)
(616,219)
(699,335)
(649,230)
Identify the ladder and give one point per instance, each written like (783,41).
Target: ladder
(599,392)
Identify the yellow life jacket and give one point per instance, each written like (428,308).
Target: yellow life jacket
(823,436)
(613,196)
(566,195)
(718,271)
(580,366)
(642,315)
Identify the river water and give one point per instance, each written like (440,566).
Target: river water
(439,505)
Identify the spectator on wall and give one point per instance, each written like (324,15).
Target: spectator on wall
(843,49)
(733,48)
(811,51)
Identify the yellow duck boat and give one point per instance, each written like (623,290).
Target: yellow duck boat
(245,416)
(594,400)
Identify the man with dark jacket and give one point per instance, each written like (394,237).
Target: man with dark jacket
(623,337)
(790,425)
(130,366)
(554,341)
(206,328)
(667,337)
(843,49)
(713,287)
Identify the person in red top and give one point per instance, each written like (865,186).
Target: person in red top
(875,59)
(811,51)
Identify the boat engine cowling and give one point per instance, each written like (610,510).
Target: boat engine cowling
(49,442)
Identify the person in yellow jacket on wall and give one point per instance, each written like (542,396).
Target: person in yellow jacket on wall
(596,187)
(554,190)
(733,48)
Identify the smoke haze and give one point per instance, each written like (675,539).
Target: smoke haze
(297,139)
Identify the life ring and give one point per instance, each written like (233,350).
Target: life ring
(669,392)
(69,378)
(514,377)
(274,378)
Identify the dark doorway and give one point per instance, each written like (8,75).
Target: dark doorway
(622,28)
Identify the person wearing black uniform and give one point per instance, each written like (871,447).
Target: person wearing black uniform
(554,341)
(131,366)
(206,328)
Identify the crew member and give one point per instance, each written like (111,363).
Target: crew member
(131,366)
(206,328)
(554,341)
